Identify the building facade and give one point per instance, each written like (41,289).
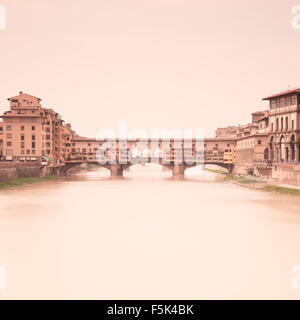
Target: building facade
(1,139)
(67,135)
(252,146)
(284,119)
(218,150)
(31,131)
(252,154)
(228,132)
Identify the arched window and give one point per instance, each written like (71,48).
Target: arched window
(292,147)
(272,127)
(286,124)
(281,124)
(277,124)
(266,154)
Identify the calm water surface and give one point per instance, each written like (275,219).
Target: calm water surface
(147,236)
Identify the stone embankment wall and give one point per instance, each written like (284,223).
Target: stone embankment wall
(287,173)
(282,172)
(10,171)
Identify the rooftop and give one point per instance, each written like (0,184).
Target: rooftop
(259,113)
(284,93)
(21,93)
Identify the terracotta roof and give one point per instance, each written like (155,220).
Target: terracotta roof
(258,112)
(263,118)
(24,94)
(258,134)
(78,138)
(32,115)
(282,94)
(219,139)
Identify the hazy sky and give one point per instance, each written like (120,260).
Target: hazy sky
(155,63)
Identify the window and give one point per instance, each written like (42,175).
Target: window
(33,151)
(293,100)
(8,128)
(293,124)
(8,136)
(33,128)
(33,145)
(22,145)
(33,137)
(22,152)
(286,123)
(273,104)
(259,141)
(22,128)
(272,127)
(27,151)
(282,102)
(8,143)
(9,152)
(277,124)
(22,137)
(281,124)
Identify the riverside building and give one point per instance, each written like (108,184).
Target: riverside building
(31,131)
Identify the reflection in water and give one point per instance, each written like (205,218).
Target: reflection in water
(147,235)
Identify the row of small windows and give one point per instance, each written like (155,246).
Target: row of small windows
(9,136)
(284,102)
(9,144)
(9,152)
(9,128)
(282,126)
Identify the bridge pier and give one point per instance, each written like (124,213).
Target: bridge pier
(178,169)
(116,170)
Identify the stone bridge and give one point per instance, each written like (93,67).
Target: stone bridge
(176,155)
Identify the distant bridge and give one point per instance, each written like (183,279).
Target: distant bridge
(118,155)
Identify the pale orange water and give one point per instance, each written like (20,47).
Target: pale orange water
(147,236)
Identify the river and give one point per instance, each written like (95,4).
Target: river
(147,236)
